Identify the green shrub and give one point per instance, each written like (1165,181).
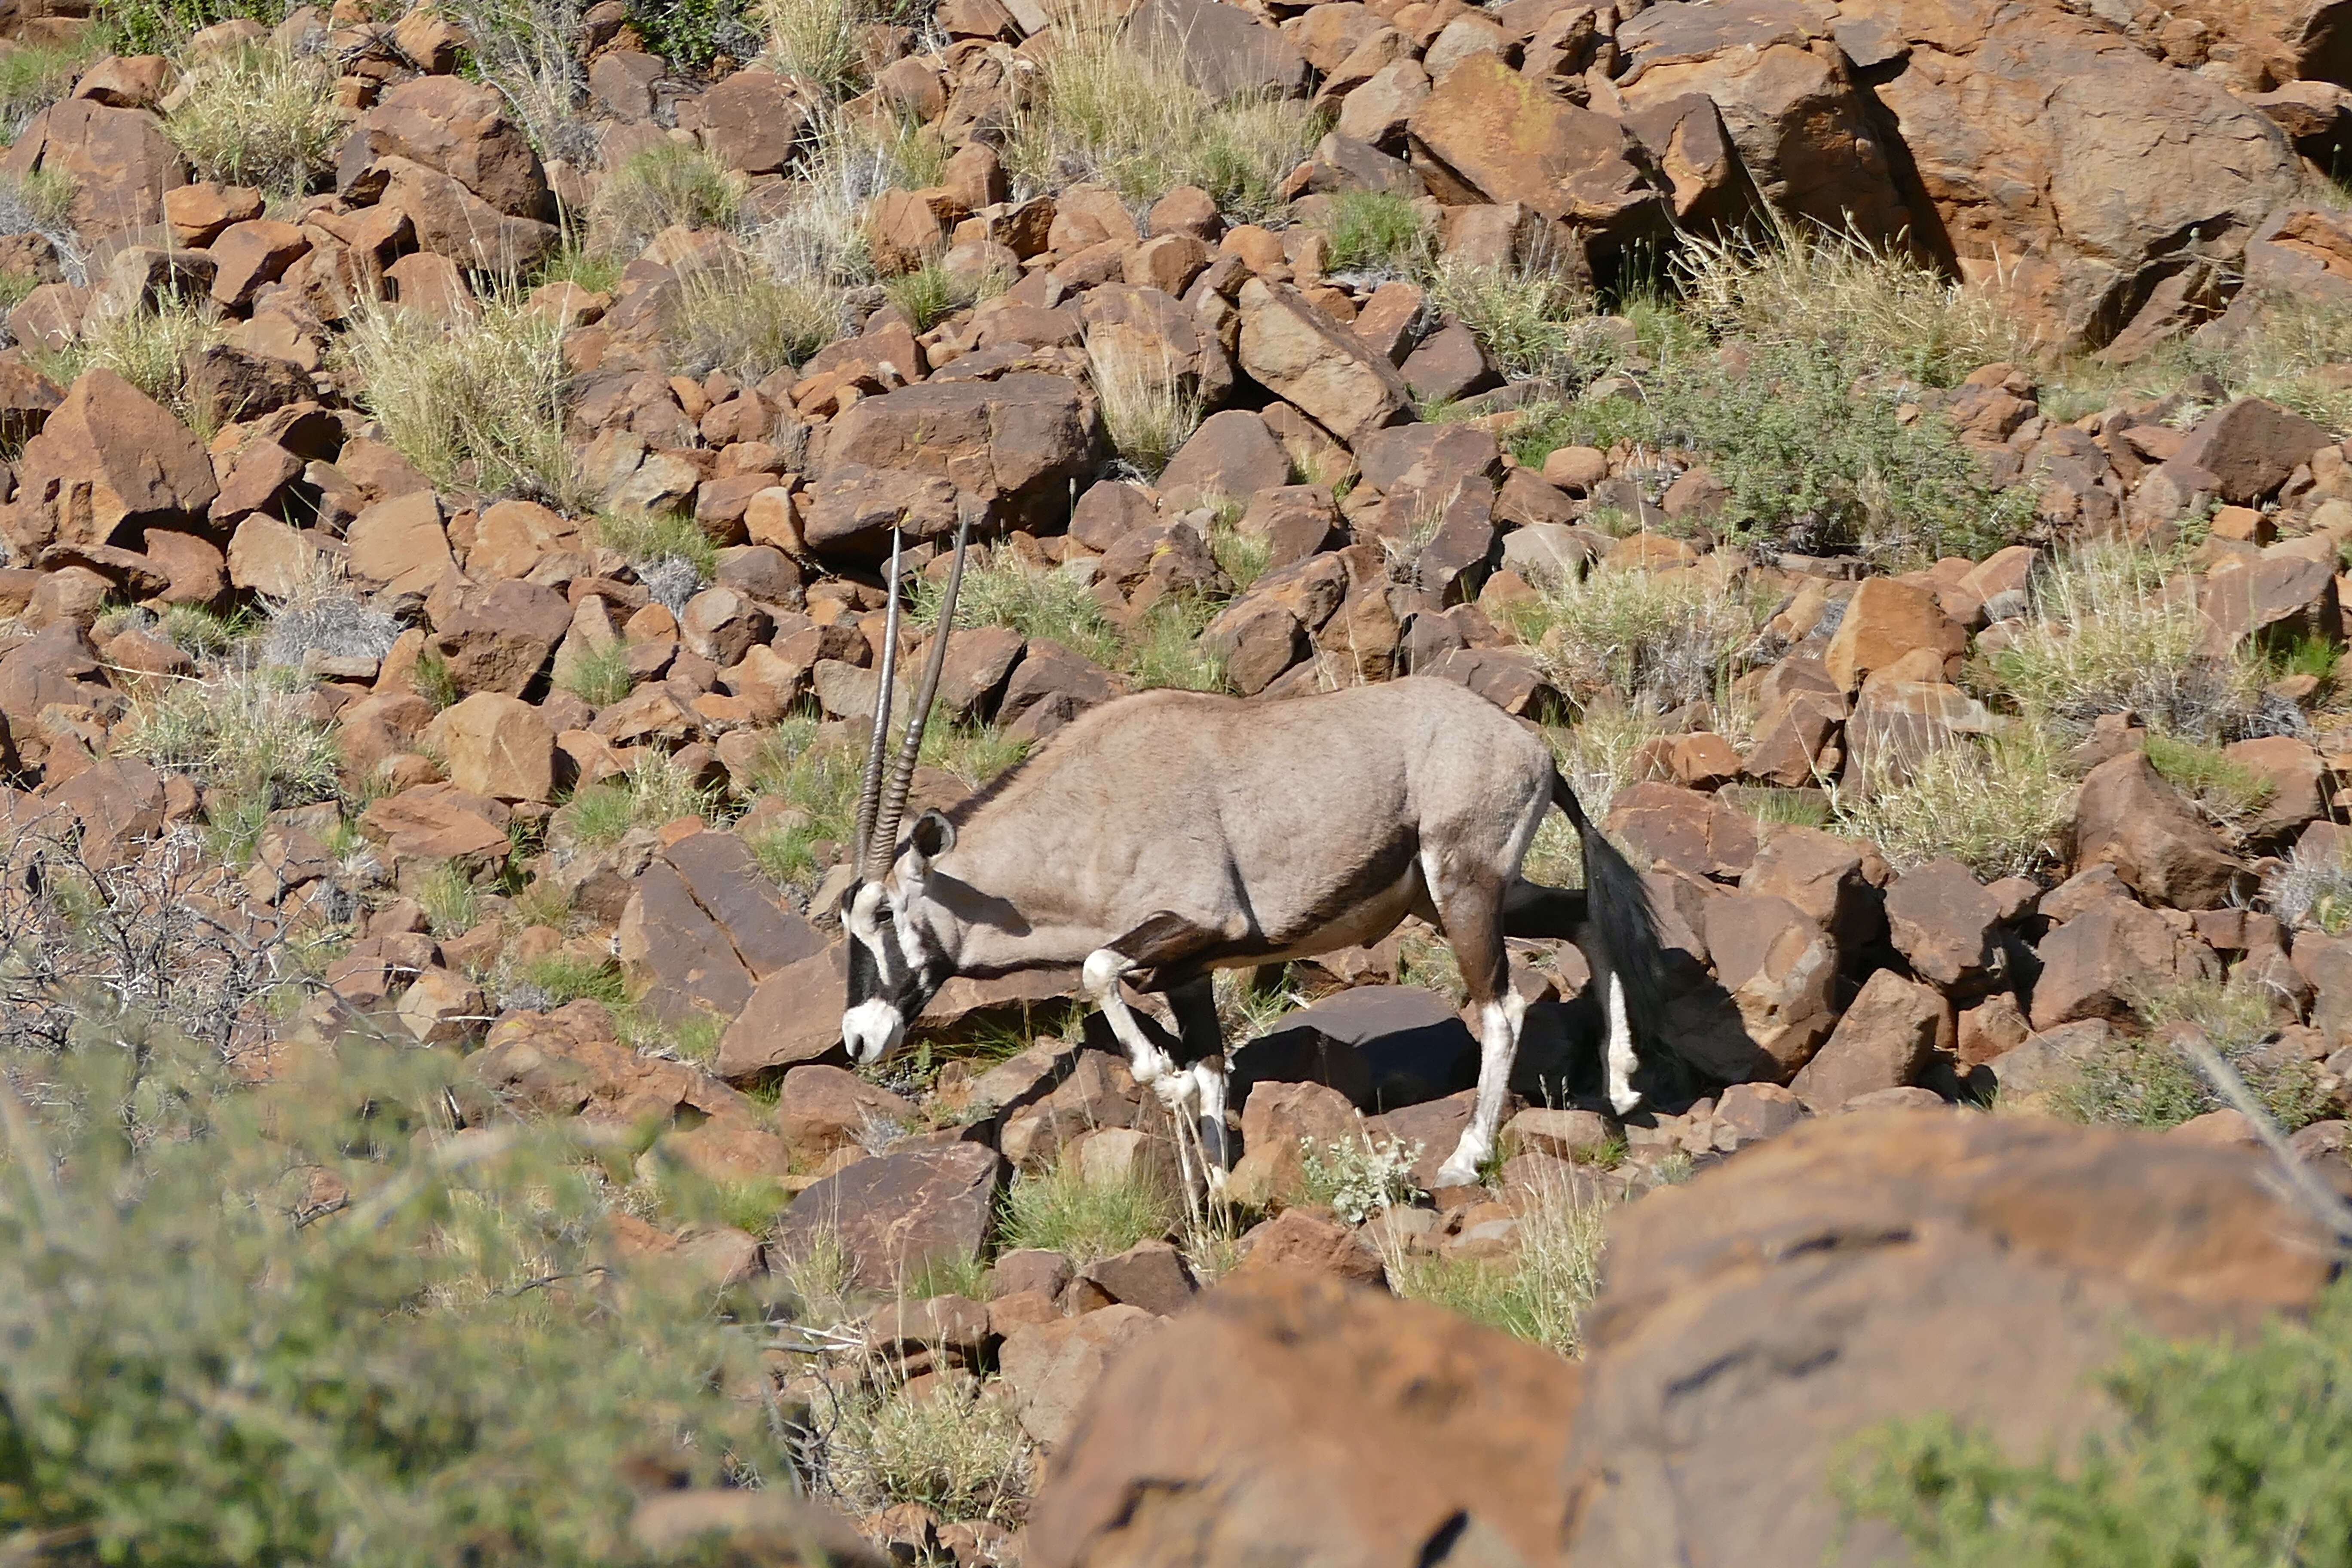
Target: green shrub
(1813,460)
(694,33)
(2229,1455)
(562,977)
(1357,1177)
(1060,1209)
(1376,232)
(301,1323)
(601,676)
(1867,307)
(656,791)
(160,27)
(2149,1083)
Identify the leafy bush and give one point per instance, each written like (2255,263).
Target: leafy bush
(260,117)
(694,33)
(2227,1453)
(160,27)
(485,396)
(1357,1177)
(305,1322)
(1813,459)
(1060,1209)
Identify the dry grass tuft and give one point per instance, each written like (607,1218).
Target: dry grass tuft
(2001,806)
(1148,406)
(479,402)
(2107,634)
(751,324)
(147,347)
(665,186)
(1655,639)
(956,1450)
(1110,113)
(1873,308)
(1064,1210)
(1541,1291)
(260,117)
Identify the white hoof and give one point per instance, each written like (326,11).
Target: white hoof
(1453,1173)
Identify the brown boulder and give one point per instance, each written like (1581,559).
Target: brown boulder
(1781,971)
(1881,1043)
(2063,163)
(753,121)
(2105,960)
(820,1109)
(1291,1418)
(1942,920)
(453,127)
(1012,445)
(496,745)
(1277,1121)
(109,461)
(1789,100)
(1486,132)
(119,163)
(1886,619)
(703,928)
(2131,818)
(1316,366)
(2251,447)
(1894,1265)
(1051,1368)
(897,1214)
(793,1015)
(1225,50)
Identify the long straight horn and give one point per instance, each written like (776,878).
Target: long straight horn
(902,777)
(869,789)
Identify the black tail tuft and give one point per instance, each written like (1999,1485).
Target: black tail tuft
(1618,906)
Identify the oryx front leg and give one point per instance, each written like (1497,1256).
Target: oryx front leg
(1105,968)
(1161,940)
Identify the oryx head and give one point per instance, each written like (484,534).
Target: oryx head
(894,963)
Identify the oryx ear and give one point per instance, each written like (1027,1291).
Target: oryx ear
(933,837)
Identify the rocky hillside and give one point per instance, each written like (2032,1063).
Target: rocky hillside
(1893,453)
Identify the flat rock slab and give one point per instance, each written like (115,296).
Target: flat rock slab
(897,1214)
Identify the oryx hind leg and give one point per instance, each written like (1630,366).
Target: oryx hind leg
(1471,913)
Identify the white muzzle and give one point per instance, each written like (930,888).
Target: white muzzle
(873,1030)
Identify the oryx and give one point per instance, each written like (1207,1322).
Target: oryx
(1166,835)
